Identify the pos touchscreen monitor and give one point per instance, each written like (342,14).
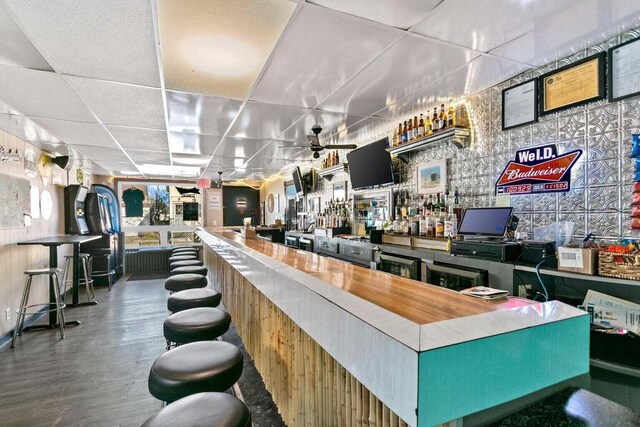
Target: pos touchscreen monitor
(485,221)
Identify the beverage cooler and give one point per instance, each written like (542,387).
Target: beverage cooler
(371,209)
(103,219)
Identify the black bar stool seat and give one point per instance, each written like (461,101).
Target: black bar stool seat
(196,324)
(193,298)
(203,409)
(185,263)
(194,368)
(175,258)
(181,282)
(190,270)
(180,250)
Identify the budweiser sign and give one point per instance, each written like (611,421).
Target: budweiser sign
(538,170)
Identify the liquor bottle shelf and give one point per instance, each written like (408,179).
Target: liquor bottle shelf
(457,135)
(328,173)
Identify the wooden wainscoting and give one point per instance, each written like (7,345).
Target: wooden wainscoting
(309,387)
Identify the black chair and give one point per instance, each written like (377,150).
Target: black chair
(190,270)
(196,367)
(185,263)
(203,409)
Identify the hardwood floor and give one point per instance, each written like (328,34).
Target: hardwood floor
(98,374)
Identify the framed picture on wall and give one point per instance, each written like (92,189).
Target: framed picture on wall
(624,66)
(573,85)
(432,177)
(520,105)
(340,191)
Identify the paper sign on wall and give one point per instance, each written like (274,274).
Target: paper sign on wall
(214,201)
(538,170)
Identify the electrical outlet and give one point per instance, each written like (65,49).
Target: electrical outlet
(522,291)
(7,314)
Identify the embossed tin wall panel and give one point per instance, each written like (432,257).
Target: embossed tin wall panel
(601,129)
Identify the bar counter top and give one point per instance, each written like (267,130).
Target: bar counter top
(417,302)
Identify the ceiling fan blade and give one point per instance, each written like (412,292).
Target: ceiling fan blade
(341,146)
(313,139)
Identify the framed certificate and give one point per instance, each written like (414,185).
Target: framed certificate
(624,70)
(520,105)
(573,85)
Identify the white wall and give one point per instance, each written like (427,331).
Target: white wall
(274,186)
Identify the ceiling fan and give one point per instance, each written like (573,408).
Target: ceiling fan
(315,146)
(219,182)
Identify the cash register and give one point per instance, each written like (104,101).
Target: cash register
(483,231)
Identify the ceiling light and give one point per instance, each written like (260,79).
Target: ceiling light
(186,143)
(183,159)
(238,162)
(152,169)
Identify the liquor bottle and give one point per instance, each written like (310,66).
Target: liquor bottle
(443,117)
(430,203)
(421,131)
(337,158)
(451,224)
(410,131)
(435,124)
(423,216)
(427,126)
(405,135)
(416,132)
(400,141)
(439,225)
(436,204)
(451,116)
(395,138)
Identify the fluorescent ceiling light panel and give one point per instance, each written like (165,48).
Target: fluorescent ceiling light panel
(190,160)
(153,169)
(217,47)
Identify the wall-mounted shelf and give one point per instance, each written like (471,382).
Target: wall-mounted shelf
(457,135)
(328,173)
(585,277)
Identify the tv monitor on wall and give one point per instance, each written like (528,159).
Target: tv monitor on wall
(370,166)
(297,181)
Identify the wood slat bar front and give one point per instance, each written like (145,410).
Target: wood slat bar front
(309,387)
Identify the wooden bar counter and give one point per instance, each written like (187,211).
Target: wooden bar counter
(338,344)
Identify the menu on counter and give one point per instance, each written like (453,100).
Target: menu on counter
(624,70)
(519,105)
(572,85)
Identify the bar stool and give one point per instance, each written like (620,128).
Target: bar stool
(184,249)
(203,409)
(175,258)
(108,272)
(67,276)
(195,324)
(186,263)
(23,310)
(193,298)
(193,269)
(193,368)
(180,282)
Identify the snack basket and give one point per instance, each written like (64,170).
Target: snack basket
(620,265)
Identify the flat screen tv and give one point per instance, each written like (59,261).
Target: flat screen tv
(297,181)
(370,166)
(485,222)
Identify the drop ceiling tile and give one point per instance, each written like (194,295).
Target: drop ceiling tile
(407,66)
(200,114)
(140,139)
(489,23)
(111,40)
(477,75)
(78,133)
(193,143)
(100,154)
(217,47)
(369,129)
(284,149)
(261,163)
(240,147)
(154,157)
(311,61)
(42,94)
(329,121)
(591,22)
(15,47)
(265,121)
(398,13)
(121,104)
(191,159)
(26,129)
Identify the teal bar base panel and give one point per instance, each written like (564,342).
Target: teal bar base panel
(469,377)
